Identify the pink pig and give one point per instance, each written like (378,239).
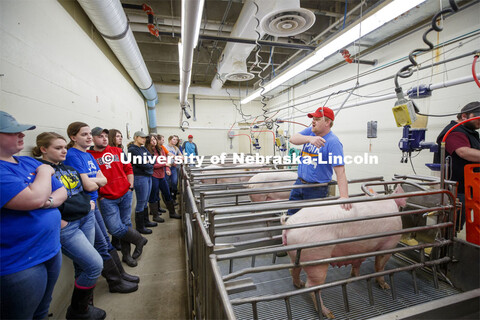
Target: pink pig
(233,179)
(271,176)
(316,274)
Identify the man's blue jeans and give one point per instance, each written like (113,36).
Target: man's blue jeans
(102,241)
(173,179)
(162,186)
(27,294)
(116,214)
(143,186)
(306,193)
(77,239)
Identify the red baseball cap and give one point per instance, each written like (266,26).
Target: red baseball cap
(190,136)
(323,111)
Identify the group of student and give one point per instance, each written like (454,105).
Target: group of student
(67,197)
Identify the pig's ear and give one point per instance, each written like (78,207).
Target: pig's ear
(399,189)
(401,202)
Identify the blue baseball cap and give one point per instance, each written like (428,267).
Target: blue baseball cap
(8,124)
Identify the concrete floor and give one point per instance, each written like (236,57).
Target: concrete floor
(162,292)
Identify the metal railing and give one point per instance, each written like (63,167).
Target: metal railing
(209,288)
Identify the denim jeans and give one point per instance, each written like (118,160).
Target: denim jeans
(102,241)
(306,193)
(142,185)
(173,179)
(116,214)
(77,239)
(162,186)
(27,294)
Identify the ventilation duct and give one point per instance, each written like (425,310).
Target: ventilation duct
(239,72)
(287,19)
(234,53)
(110,20)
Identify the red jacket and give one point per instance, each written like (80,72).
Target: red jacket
(115,171)
(160,168)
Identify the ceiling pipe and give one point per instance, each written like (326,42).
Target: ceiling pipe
(110,20)
(191,18)
(203,91)
(168,22)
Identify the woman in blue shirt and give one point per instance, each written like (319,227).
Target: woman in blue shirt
(30,257)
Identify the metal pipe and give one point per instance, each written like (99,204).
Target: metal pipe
(329,222)
(271,297)
(261,269)
(365,84)
(191,19)
(221,290)
(300,205)
(435,86)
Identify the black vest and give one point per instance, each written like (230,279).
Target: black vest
(459,163)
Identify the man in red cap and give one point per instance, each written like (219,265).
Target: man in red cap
(189,147)
(322,154)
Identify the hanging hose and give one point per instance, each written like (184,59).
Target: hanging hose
(281,121)
(473,70)
(407,70)
(258,61)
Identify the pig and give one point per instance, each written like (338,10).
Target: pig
(316,274)
(272,176)
(233,179)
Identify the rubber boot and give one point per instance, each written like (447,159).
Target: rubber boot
(116,243)
(174,197)
(171,210)
(118,263)
(140,223)
(154,211)
(80,308)
(136,238)
(147,221)
(160,210)
(126,257)
(114,278)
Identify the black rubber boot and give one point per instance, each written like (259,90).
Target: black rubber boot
(154,211)
(80,308)
(114,278)
(136,238)
(160,210)
(147,221)
(171,210)
(118,263)
(116,243)
(126,257)
(174,197)
(140,223)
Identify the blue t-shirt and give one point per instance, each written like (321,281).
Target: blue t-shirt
(323,159)
(84,163)
(190,148)
(27,238)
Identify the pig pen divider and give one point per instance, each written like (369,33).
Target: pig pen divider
(236,194)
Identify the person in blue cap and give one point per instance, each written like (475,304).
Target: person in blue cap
(30,257)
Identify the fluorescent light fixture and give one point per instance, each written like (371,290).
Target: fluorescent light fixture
(180,58)
(373,22)
(199,21)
